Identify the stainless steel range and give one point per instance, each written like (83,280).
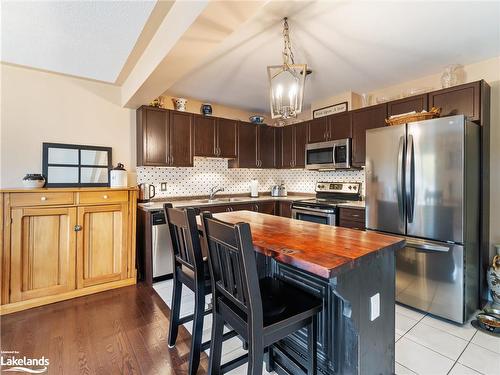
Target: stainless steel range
(323,208)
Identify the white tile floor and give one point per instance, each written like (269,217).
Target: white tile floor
(424,345)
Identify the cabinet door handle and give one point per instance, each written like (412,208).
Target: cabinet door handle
(44,198)
(78,228)
(105,196)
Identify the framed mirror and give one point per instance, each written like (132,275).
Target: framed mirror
(68,165)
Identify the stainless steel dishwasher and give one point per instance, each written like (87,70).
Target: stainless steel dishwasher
(161,252)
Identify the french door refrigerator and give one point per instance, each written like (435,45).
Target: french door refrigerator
(422,183)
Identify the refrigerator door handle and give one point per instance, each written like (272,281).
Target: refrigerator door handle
(400,177)
(427,246)
(410,179)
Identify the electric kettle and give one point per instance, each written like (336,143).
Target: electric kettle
(146,192)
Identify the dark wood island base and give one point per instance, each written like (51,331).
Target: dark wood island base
(352,271)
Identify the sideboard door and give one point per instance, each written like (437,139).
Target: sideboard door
(42,252)
(102,244)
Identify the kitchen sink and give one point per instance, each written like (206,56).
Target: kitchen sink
(220,200)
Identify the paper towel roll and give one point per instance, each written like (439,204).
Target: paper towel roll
(254,188)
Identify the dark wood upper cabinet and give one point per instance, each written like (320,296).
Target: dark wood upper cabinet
(164,138)
(247,147)
(362,120)
(181,145)
(205,136)
(318,130)
(287,146)
(152,139)
(267,146)
(416,103)
(300,145)
(292,145)
(215,137)
(227,138)
(339,126)
(459,100)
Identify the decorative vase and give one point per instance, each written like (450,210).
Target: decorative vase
(452,75)
(493,278)
(33,180)
(157,103)
(206,109)
(180,104)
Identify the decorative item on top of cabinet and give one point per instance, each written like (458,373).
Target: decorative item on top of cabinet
(180,104)
(33,180)
(118,177)
(94,250)
(206,109)
(362,120)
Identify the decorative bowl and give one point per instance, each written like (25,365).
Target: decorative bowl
(256,119)
(33,180)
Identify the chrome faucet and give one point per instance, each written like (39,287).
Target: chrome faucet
(214,190)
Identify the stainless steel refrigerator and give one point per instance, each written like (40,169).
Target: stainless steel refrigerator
(422,182)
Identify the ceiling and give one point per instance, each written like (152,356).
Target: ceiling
(358,46)
(90,39)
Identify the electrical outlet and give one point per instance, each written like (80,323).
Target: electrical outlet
(374,307)
(163,186)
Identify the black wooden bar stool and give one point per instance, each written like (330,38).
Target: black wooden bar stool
(261,311)
(190,269)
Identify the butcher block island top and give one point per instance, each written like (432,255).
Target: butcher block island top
(316,248)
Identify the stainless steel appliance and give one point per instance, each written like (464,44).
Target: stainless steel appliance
(422,182)
(146,192)
(161,251)
(323,208)
(329,155)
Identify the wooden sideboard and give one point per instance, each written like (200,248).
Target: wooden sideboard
(57,244)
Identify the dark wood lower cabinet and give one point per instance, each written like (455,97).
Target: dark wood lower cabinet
(353,218)
(267,207)
(285,209)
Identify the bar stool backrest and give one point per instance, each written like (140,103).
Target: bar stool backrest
(233,268)
(184,237)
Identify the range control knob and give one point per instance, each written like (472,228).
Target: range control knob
(350,187)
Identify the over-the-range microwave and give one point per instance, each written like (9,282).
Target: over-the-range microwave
(329,155)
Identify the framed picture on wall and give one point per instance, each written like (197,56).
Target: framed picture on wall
(69,165)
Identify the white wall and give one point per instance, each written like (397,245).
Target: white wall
(41,107)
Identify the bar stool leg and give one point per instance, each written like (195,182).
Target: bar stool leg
(199,309)
(255,355)
(312,338)
(216,344)
(175,311)
(270,360)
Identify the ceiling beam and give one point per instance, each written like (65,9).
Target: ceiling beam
(184,40)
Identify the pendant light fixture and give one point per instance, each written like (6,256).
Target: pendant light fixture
(286,82)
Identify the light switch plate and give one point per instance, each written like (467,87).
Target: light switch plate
(374,307)
(163,186)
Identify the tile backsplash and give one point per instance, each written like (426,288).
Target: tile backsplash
(208,172)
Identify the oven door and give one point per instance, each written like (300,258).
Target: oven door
(342,154)
(314,215)
(320,155)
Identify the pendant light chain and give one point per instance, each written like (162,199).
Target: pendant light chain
(287,49)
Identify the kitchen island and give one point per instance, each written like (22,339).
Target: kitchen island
(352,271)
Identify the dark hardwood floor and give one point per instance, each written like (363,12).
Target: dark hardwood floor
(122,331)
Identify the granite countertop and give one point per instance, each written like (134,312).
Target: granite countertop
(195,202)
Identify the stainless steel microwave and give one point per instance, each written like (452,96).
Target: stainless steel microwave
(329,155)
